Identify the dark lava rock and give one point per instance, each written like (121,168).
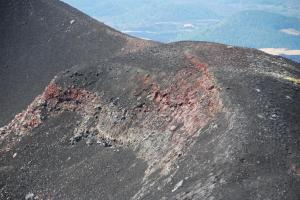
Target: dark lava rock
(186,120)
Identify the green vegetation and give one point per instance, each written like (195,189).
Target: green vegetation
(255,29)
(247,23)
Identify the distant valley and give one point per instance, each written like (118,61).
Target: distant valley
(256,24)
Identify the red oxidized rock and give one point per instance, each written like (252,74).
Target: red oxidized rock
(52,91)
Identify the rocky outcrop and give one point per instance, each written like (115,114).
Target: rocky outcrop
(134,119)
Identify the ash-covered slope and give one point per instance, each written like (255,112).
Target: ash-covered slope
(188,120)
(39,38)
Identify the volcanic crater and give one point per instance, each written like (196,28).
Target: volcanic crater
(117,117)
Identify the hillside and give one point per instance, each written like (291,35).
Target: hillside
(256,29)
(101,115)
(255,24)
(39,39)
(131,15)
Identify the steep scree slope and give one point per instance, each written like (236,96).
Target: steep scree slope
(187,120)
(39,38)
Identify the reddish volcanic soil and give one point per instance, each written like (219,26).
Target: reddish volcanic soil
(91,113)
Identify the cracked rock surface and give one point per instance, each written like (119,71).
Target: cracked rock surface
(115,117)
